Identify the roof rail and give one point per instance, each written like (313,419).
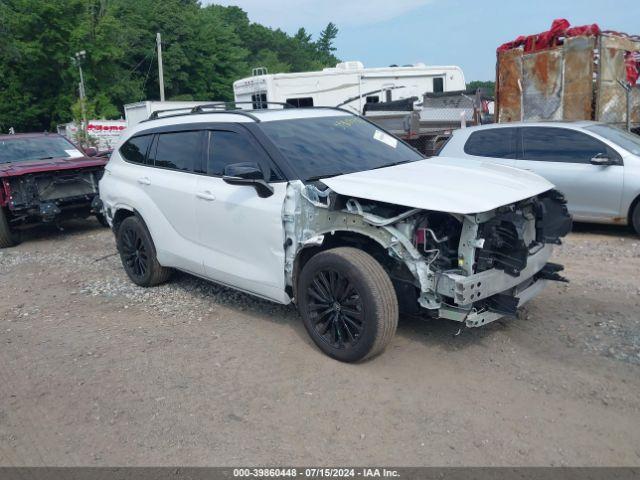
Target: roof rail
(155,113)
(226,105)
(223,107)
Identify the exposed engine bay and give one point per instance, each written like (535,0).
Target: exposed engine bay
(52,195)
(471,268)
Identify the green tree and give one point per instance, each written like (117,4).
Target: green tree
(205,48)
(488,86)
(327,37)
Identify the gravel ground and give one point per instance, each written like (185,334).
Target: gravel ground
(97,371)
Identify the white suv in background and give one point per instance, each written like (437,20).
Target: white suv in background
(321,207)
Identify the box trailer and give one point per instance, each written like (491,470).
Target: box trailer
(579,73)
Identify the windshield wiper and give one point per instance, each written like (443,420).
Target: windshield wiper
(320,177)
(45,158)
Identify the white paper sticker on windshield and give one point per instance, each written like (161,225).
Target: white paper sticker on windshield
(385,138)
(73,153)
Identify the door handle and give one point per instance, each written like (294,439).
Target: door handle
(206,195)
(144,181)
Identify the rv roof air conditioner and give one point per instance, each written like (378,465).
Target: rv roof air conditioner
(352,65)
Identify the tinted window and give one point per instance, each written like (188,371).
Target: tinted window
(300,102)
(373,99)
(438,84)
(327,146)
(559,145)
(226,148)
(628,141)
(135,150)
(497,143)
(177,151)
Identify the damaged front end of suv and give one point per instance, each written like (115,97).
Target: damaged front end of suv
(468,267)
(44,178)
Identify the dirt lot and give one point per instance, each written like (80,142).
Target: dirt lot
(96,371)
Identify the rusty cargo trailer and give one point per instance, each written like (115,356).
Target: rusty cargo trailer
(571,74)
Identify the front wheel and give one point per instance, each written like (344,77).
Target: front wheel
(348,304)
(138,254)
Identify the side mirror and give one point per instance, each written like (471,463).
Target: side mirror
(247,173)
(91,151)
(603,160)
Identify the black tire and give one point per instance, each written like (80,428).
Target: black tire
(635,218)
(102,220)
(348,304)
(7,237)
(138,254)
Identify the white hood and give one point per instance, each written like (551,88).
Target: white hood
(452,185)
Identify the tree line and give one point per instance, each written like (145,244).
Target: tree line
(205,48)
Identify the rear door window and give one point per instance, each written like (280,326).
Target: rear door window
(495,142)
(548,144)
(178,151)
(135,149)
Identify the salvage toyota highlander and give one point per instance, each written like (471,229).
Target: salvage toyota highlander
(319,207)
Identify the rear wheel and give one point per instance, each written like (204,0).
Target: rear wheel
(8,238)
(138,254)
(635,218)
(348,304)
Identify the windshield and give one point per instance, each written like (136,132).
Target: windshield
(36,148)
(327,146)
(628,141)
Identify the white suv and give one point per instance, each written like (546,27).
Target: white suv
(321,207)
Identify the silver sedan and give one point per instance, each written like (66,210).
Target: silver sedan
(596,166)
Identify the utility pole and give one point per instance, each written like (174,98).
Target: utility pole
(79,58)
(160,72)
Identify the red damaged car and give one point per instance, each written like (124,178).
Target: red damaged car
(45,178)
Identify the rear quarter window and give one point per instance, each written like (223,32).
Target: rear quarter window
(496,143)
(135,149)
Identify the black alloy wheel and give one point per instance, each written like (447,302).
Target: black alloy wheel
(348,303)
(134,253)
(138,253)
(335,308)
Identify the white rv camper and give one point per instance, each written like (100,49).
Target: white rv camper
(348,85)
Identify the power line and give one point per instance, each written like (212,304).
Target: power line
(152,52)
(147,76)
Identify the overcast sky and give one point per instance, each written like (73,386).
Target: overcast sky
(436,32)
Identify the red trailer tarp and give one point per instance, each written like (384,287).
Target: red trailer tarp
(551,38)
